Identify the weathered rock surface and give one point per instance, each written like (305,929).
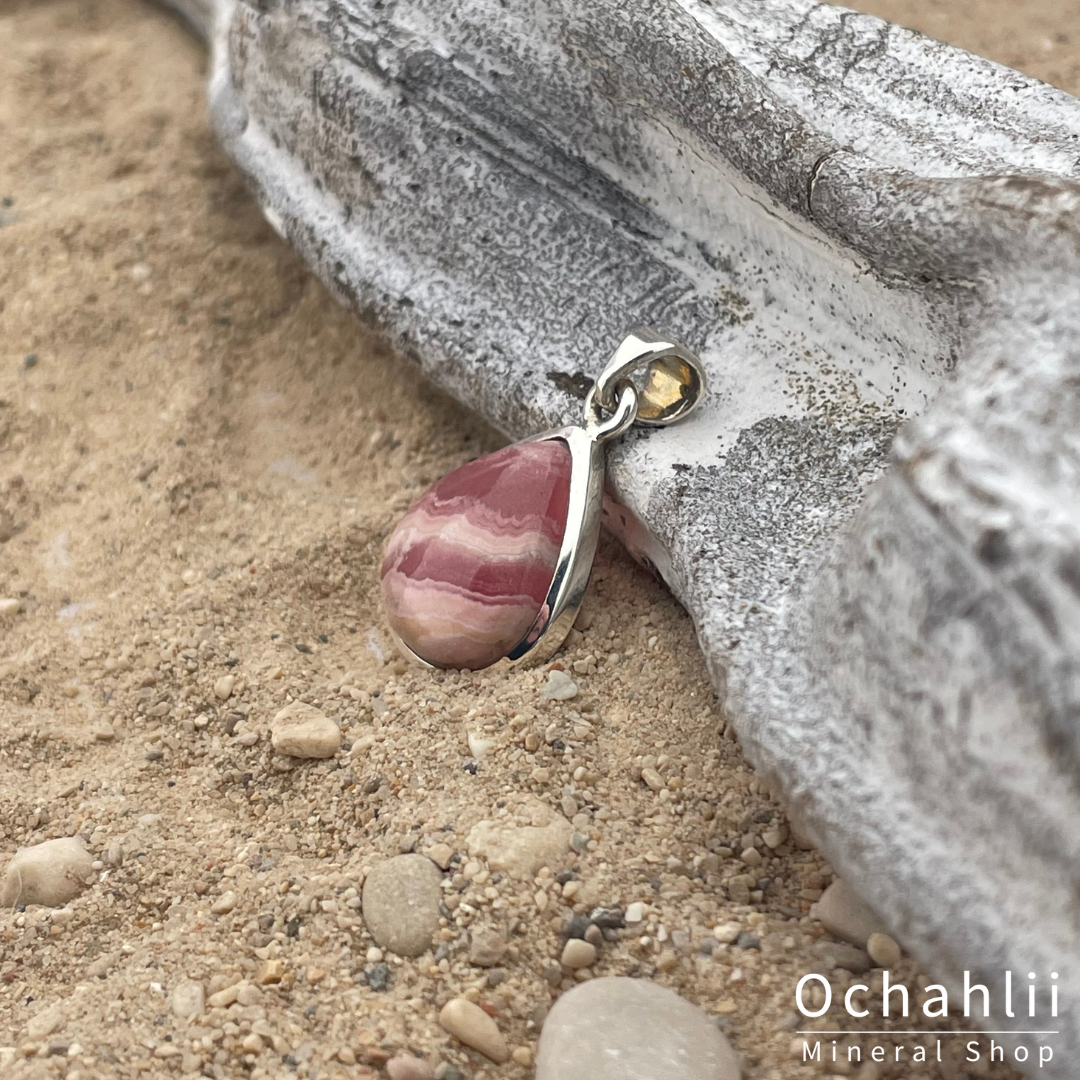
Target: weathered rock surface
(630,1029)
(401,903)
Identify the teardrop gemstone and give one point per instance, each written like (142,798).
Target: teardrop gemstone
(468,568)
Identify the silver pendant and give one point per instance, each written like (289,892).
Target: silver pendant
(493,562)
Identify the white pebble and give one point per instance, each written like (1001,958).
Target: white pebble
(559,686)
(883,950)
(10,606)
(223,688)
(188,1000)
(578,954)
(302,731)
(223,904)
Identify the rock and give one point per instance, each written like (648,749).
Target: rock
(508,508)
(469,1024)
(188,1000)
(839,955)
(302,731)
(630,1029)
(635,913)
(653,780)
(223,904)
(223,688)
(408,1068)
(224,998)
(533,837)
(578,954)
(51,873)
(43,1024)
(103,731)
(844,915)
(440,855)
(10,606)
(401,903)
(487,946)
(883,950)
(559,686)
(727,933)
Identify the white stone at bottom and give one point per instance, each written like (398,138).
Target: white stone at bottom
(630,1029)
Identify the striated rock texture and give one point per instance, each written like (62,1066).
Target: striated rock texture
(468,568)
(863,233)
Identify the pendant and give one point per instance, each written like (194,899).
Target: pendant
(493,561)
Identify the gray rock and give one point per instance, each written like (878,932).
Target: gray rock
(838,954)
(401,903)
(842,913)
(51,874)
(487,946)
(630,1029)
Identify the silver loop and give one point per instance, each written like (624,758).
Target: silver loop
(623,415)
(674,381)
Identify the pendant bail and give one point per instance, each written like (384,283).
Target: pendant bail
(674,382)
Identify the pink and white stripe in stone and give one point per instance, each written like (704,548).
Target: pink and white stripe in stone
(469,566)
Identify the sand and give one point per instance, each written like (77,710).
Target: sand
(200,458)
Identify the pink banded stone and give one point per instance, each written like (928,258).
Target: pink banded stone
(469,566)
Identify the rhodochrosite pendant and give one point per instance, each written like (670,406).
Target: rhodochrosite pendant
(493,561)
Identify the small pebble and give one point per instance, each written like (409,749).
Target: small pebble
(408,1068)
(883,950)
(52,874)
(727,933)
(440,855)
(302,731)
(559,687)
(44,1023)
(188,1000)
(471,1025)
(843,914)
(615,1028)
(401,901)
(487,946)
(223,688)
(838,954)
(10,606)
(653,779)
(223,904)
(578,954)
(103,731)
(635,913)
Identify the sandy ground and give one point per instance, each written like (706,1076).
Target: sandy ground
(200,458)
